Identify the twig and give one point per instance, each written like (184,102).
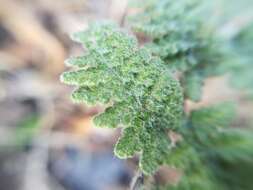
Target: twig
(137,181)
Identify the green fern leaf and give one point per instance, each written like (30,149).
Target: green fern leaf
(178,36)
(138,91)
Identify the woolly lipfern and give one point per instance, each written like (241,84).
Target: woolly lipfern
(138,91)
(141,96)
(179,38)
(209,148)
(221,148)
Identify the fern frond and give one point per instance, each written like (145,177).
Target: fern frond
(179,38)
(226,152)
(140,95)
(138,91)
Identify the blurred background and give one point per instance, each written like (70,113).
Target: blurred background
(46,141)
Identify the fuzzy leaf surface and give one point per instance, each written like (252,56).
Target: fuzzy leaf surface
(138,91)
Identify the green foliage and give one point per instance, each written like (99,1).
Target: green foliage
(138,91)
(181,39)
(216,116)
(219,145)
(242,64)
(193,82)
(156,16)
(141,96)
(202,130)
(188,160)
(211,153)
